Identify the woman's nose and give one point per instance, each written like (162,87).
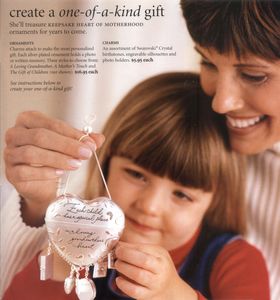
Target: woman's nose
(227,96)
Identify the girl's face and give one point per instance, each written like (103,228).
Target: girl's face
(157,210)
(247,92)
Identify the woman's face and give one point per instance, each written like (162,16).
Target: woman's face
(247,92)
(157,210)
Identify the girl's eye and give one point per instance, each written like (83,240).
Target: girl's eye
(207,64)
(254,78)
(135,174)
(182,196)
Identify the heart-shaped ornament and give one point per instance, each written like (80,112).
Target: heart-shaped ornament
(84,232)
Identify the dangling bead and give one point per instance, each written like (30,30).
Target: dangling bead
(69,283)
(89,120)
(87,129)
(85,289)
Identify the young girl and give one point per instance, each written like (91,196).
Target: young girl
(169,166)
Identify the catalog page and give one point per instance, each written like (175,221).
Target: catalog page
(139,149)
(68,59)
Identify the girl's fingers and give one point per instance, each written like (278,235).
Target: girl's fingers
(153,250)
(131,289)
(139,275)
(138,258)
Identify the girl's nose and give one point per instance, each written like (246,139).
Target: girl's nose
(151,201)
(227,96)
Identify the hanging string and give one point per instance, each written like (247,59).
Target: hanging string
(102,175)
(66,183)
(87,130)
(99,167)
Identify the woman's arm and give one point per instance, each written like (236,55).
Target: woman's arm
(38,150)
(19,242)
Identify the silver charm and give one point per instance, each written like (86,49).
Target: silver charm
(111,260)
(100,269)
(46,264)
(85,289)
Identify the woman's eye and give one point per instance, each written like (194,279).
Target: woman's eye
(183,196)
(135,174)
(254,78)
(207,64)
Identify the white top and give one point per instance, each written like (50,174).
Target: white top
(263,194)
(20,243)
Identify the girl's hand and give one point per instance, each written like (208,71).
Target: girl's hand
(148,272)
(38,151)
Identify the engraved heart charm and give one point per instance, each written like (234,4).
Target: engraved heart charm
(83,232)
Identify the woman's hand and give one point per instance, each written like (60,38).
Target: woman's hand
(38,151)
(148,272)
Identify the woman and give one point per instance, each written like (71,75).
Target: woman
(240,67)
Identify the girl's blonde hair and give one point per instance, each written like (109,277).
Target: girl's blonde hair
(166,125)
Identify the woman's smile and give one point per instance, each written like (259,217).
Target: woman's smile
(244,126)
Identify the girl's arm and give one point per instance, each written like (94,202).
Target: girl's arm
(240,272)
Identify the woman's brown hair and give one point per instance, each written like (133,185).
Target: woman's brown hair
(166,125)
(241,26)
